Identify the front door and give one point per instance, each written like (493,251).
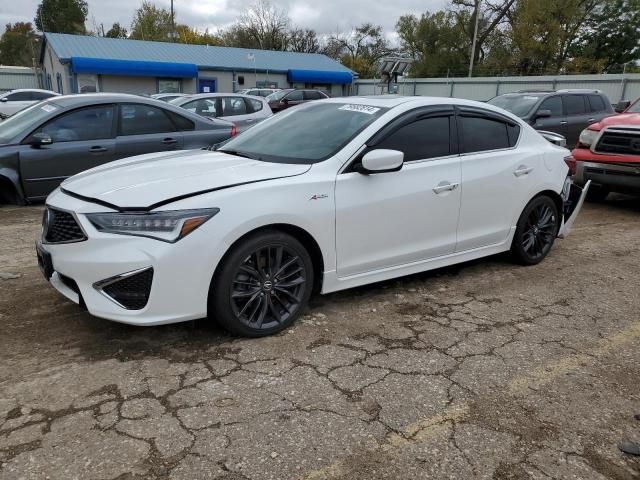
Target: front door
(557,122)
(391,219)
(82,139)
(206,86)
(145,129)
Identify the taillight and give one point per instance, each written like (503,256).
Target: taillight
(571,163)
(234,129)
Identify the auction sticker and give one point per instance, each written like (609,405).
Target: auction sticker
(48,108)
(359,108)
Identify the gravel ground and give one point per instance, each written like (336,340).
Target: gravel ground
(484,370)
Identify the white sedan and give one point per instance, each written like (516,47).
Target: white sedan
(325,196)
(19,99)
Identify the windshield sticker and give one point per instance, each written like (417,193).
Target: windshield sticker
(530,98)
(48,108)
(359,108)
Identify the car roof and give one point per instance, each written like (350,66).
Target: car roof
(218,94)
(32,90)
(82,98)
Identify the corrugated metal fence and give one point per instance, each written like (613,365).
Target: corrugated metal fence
(616,87)
(17,77)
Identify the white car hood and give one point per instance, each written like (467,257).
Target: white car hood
(148,181)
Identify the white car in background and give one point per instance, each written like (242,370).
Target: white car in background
(16,100)
(322,197)
(167,97)
(243,110)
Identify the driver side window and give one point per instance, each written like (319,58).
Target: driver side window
(553,104)
(294,96)
(92,123)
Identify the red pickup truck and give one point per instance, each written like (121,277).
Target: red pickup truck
(608,154)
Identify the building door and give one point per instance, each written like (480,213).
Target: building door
(206,86)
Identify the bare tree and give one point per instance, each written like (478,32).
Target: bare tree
(264,25)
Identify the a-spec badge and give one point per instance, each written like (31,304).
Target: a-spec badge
(319,197)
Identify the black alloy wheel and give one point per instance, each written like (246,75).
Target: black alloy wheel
(536,231)
(263,285)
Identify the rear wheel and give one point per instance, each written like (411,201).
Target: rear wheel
(536,231)
(262,286)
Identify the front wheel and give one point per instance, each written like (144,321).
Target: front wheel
(262,285)
(536,231)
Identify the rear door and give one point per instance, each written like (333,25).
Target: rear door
(578,116)
(235,109)
(496,177)
(82,139)
(145,129)
(557,122)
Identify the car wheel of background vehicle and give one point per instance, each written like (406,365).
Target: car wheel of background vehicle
(536,231)
(262,285)
(597,193)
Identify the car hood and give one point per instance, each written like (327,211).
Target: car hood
(151,180)
(623,119)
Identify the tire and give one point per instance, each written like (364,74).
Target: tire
(536,231)
(262,285)
(597,193)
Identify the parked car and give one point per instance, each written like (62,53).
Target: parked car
(566,112)
(64,135)
(243,110)
(16,100)
(167,97)
(323,197)
(608,155)
(288,98)
(261,92)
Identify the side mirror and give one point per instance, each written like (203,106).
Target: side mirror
(285,101)
(622,106)
(4,99)
(543,114)
(40,139)
(381,161)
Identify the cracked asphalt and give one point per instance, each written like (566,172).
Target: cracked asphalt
(484,370)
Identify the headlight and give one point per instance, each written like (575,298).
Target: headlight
(587,137)
(169,226)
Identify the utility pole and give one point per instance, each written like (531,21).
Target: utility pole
(173,24)
(475,38)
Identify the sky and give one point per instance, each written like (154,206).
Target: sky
(326,16)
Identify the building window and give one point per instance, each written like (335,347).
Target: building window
(59,82)
(87,83)
(240,79)
(49,81)
(169,85)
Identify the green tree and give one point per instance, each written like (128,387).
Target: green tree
(18,44)
(151,23)
(116,31)
(62,16)
(193,36)
(610,37)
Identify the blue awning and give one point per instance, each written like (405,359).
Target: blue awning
(319,76)
(133,68)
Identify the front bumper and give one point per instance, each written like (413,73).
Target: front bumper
(612,176)
(182,272)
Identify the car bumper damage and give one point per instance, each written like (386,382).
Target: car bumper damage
(573,197)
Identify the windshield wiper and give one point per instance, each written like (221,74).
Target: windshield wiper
(238,153)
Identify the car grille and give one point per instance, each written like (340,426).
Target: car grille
(621,141)
(130,291)
(61,227)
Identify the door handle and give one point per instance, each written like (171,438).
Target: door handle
(97,149)
(563,123)
(523,170)
(591,120)
(249,120)
(445,187)
(169,141)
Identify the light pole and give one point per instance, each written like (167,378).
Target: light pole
(475,38)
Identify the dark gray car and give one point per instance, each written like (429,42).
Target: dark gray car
(55,139)
(566,112)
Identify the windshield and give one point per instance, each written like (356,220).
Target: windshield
(635,108)
(29,117)
(519,105)
(304,135)
(274,97)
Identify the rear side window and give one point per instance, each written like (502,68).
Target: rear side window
(311,95)
(554,104)
(596,103)
(182,124)
(40,95)
(139,119)
(422,139)
(574,104)
(481,134)
(202,106)
(19,97)
(233,106)
(294,96)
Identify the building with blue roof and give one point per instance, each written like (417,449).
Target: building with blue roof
(78,63)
